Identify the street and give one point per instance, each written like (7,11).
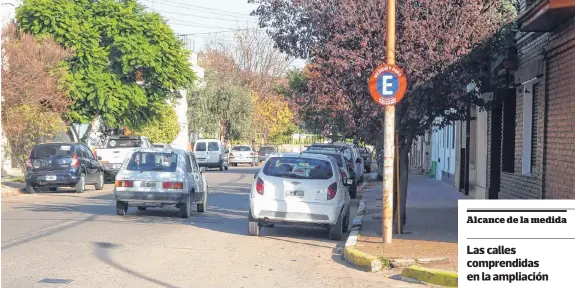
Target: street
(78,237)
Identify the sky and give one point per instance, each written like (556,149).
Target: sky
(199,19)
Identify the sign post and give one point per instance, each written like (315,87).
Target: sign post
(387,86)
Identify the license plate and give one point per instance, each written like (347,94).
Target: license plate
(50,178)
(296,193)
(148,184)
(201,160)
(117,166)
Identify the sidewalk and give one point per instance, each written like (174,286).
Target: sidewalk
(430,233)
(11,184)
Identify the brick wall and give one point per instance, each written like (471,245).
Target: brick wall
(530,48)
(559,179)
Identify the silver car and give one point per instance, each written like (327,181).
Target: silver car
(160,177)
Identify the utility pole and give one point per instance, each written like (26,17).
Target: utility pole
(389,133)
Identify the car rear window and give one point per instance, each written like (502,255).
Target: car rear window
(298,167)
(52,151)
(241,148)
(213,146)
(153,161)
(123,143)
(267,149)
(334,155)
(201,146)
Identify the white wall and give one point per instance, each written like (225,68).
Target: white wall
(443,150)
(8,10)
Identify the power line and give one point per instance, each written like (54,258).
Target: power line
(204,17)
(193,24)
(189,6)
(218,32)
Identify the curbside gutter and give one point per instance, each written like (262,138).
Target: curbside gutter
(431,276)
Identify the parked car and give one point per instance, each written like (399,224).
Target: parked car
(264,152)
(243,154)
(162,145)
(115,150)
(350,153)
(211,153)
(299,188)
(346,171)
(161,177)
(366,155)
(53,165)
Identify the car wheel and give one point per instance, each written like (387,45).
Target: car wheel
(222,166)
(30,189)
(121,208)
(227,167)
(202,207)
(100,184)
(53,189)
(253,226)
(186,209)
(81,185)
(346,221)
(141,208)
(353,190)
(336,231)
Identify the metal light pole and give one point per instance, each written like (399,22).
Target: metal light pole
(389,132)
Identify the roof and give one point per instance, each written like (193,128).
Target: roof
(159,149)
(199,140)
(299,155)
(59,143)
(324,152)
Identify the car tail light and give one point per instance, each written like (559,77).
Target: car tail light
(331,191)
(251,153)
(124,183)
(75,161)
(260,186)
(95,153)
(28,162)
(173,185)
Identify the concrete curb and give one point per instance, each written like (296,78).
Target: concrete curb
(431,276)
(354,256)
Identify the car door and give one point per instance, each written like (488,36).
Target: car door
(201,180)
(192,178)
(85,160)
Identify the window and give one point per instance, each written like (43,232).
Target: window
(529,139)
(194,162)
(88,152)
(201,146)
(153,161)
(51,151)
(189,167)
(298,168)
(534,126)
(241,148)
(213,146)
(508,138)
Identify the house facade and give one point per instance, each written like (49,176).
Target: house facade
(538,135)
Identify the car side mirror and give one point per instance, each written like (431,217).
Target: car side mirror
(99,158)
(347,182)
(256,175)
(358,161)
(202,169)
(227,151)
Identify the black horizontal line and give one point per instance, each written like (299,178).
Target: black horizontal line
(572,238)
(517,210)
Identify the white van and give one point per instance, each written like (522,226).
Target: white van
(211,153)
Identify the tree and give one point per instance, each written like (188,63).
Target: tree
(272,116)
(115,43)
(32,102)
(163,129)
(442,46)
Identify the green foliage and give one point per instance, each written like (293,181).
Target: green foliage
(215,107)
(113,41)
(164,128)
(35,126)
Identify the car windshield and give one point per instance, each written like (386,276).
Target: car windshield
(52,151)
(213,146)
(153,161)
(123,143)
(201,146)
(267,149)
(241,148)
(298,167)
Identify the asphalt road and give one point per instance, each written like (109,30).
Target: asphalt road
(63,236)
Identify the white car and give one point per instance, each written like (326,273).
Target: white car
(243,154)
(297,188)
(211,153)
(157,177)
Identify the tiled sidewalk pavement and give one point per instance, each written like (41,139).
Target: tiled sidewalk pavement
(431,229)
